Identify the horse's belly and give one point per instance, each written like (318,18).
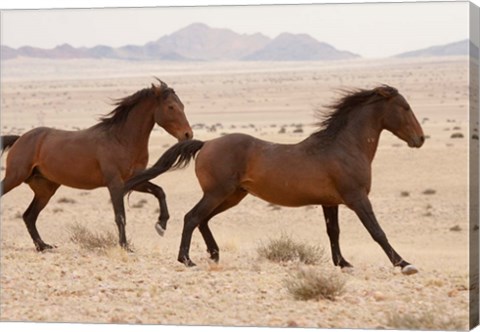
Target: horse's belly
(78,176)
(287,193)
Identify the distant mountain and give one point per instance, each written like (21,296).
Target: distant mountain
(298,47)
(198,42)
(457,48)
(8,52)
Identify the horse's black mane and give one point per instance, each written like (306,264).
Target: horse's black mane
(333,122)
(126,104)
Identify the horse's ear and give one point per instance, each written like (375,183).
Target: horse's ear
(156,90)
(163,85)
(386,91)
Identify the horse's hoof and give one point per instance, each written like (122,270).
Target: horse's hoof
(160,230)
(44,247)
(215,256)
(127,248)
(409,269)
(187,262)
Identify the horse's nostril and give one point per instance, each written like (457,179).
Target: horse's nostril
(422,139)
(188,135)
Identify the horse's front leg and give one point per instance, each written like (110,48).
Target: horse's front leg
(116,194)
(148,187)
(333,231)
(364,211)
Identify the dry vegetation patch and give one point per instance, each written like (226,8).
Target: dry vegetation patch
(285,249)
(315,284)
(424,320)
(89,240)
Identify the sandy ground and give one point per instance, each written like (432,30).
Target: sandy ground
(70,284)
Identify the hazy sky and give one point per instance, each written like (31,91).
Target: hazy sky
(371,29)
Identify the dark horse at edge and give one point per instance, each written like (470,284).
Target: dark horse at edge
(104,155)
(329,168)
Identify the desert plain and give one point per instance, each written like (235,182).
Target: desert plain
(420,197)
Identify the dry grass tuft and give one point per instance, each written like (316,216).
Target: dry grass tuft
(315,284)
(429,192)
(425,320)
(456,135)
(66,200)
(140,204)
(285,249)
(404,194)
(88,240)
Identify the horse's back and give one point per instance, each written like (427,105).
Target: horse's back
(35,141)
(284,174)
(64,157)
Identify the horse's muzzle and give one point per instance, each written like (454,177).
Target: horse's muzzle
(416,142)
(188,135)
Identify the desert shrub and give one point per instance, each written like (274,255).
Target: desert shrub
(315,284)
(140,204)
(88,240)
(455,228)
(66,200)
(456,135)
(424,320)
(285,249)
(429,192)
(404,194)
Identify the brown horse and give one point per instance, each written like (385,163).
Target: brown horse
(330,167)
(104,155)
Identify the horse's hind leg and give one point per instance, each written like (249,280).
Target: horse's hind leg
(44,190)
(148,187)
(200,213)
(14,176)
(207,235)
(8,184)
(333,231)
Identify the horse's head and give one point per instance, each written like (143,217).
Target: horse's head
(170,113)
(399,119)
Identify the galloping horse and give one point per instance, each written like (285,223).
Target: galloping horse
(104,155)
(330,167)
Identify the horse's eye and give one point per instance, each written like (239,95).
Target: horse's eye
(171,108)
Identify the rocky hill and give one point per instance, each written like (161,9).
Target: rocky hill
(198,42)
(451,49)
(298,47)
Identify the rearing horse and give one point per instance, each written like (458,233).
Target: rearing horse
(329,168)
(105,155)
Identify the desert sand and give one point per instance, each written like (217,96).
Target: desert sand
(419,196)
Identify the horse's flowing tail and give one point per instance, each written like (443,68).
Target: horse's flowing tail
(7,141)
(177,157)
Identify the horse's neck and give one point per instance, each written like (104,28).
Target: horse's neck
(362,133)
(135,131)
(359,137)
